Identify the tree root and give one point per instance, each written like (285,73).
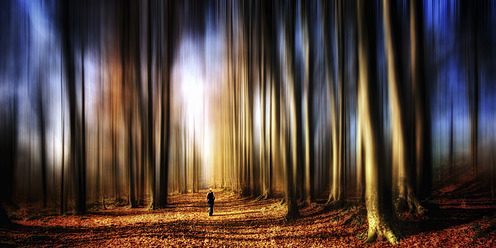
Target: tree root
(381,233)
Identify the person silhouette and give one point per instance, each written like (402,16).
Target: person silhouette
(210,202)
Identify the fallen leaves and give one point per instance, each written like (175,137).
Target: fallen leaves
(241,222)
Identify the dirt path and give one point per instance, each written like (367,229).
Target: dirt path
(236,222)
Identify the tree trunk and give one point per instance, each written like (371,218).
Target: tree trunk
(275,93)
(75,155)
(377,195)
(62,173)
(422,103)
(298,104)
(450,162)
(151,147)
(329,71)
(43,147)
(341,168)
(81,198)
(293,123)
(402,152)
(165,141)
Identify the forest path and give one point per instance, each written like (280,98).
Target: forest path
(244,222)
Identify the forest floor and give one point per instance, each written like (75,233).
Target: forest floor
(247,222)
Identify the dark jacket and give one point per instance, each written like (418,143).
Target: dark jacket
(210,198)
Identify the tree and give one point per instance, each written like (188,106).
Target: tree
(62,173)
(329,76)
(42,129)
(292,131)
(8,155)
(127,88)
(423,155)
(377,198)
(165,128)
(74,116)
(399,107)
(308,33)
(150,137)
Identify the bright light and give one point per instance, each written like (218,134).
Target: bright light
(191,79)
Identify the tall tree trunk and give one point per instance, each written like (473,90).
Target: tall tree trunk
(68,51)
(378,195)
(329,76)
(293,123)
(450,162)
(298,104)
(151,147)
(43,146)
(185,190)
(341,170)
(132,174)
(402,152)
(422,103)
(141,103)
(309,85)
(81,198)
(275,92)
(474,102)
(62,173)
(165,128)
(8,156)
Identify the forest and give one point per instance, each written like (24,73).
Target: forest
(320,122)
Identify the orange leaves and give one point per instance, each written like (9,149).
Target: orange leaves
(239,222)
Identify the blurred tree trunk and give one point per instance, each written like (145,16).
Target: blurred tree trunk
(195,170)
(126,95)
(329,75)
(185,162)
(115,172)
(99,175)
(43,146)
(292,126)
(360,155)
(165,128)
(492,165)
(140,101)
(81,188)
(235,109)
(378,195)
(62,172)
(399,107)
(309,85)
(339,177)
(298,106)
(8,155)
(473,86)
(68,51)
(252,188)
(275,116)
(422,103)
(450,162)
(151,147)
(262,65)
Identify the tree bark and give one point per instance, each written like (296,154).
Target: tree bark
(292,124)
(422,103)
(151,146)
(165,141)
(43,146)
(329,71)
(402,152)
(377,195)
(68,50)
